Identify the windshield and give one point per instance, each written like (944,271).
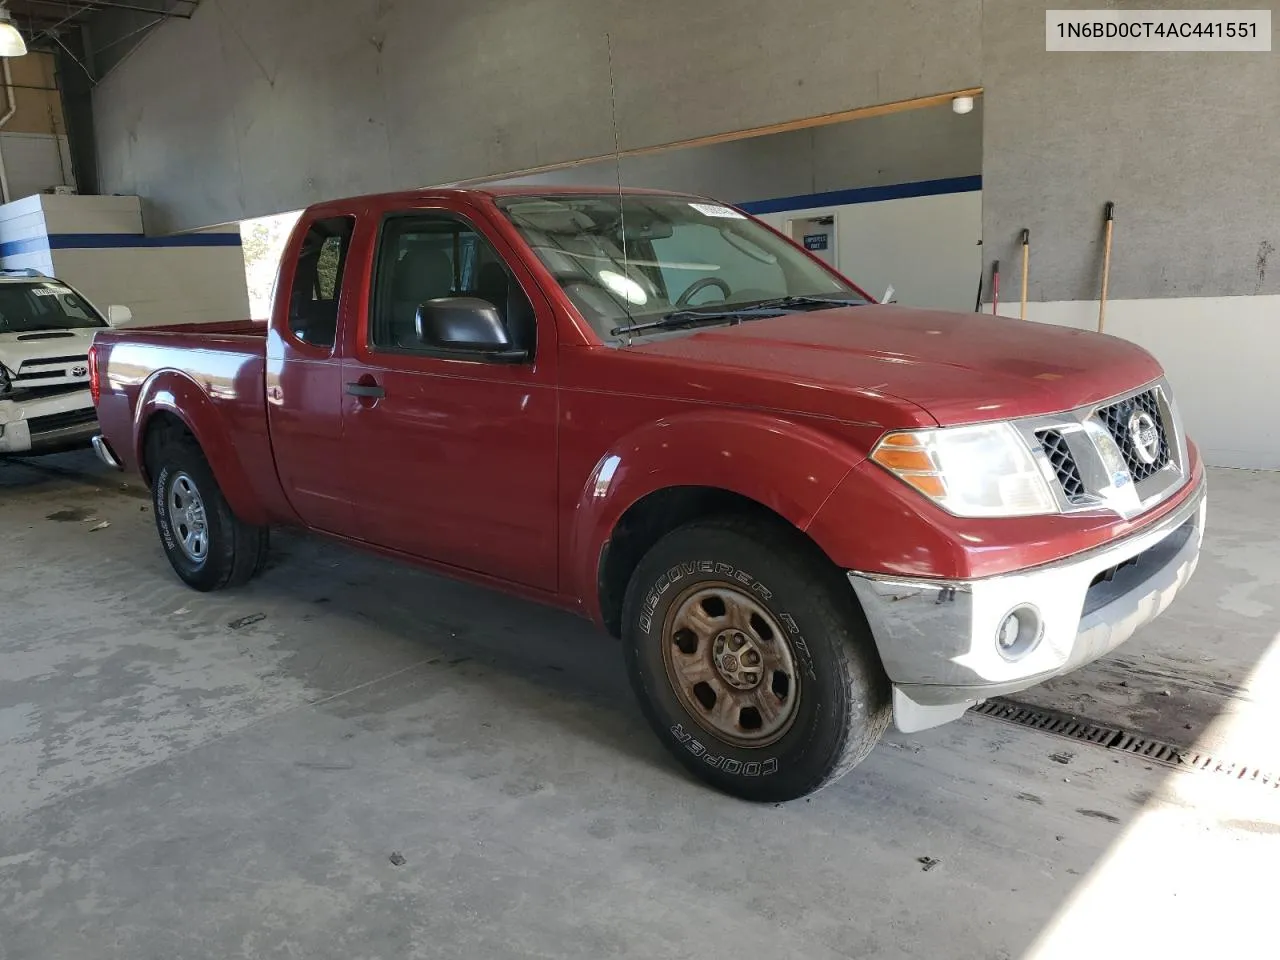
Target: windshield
(29,307)
(648,258)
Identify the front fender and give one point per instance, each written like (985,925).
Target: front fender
(788,466)
(174,392)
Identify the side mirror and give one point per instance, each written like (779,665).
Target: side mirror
(468,328)
(118,316)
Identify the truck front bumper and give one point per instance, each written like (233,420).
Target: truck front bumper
(48,423)
(940,640)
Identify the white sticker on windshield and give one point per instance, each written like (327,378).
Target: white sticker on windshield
(50,291)
(717,210)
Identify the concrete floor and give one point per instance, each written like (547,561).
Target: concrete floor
(230,776)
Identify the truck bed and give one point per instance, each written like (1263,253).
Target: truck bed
(246,328)
(211,373)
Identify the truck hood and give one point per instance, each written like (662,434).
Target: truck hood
(959,367)
(19,348)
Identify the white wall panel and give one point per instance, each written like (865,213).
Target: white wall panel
(92,214)
(164,285)
(35,162)
(1221,355)
(926,247)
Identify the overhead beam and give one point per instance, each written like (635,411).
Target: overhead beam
(826,119)
(94,6)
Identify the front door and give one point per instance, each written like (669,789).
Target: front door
(454,460)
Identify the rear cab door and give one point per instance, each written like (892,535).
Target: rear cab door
(451,460)
(314,298)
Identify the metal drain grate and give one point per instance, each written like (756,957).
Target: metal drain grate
(1210,764)
(1149,749)
(1048,721)
(1112,738)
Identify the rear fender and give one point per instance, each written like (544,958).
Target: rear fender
(789,467)
(174,392)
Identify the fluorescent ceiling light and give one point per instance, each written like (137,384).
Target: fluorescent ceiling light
(11,42)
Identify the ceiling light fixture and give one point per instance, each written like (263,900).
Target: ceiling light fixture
(962,105)
(11,42)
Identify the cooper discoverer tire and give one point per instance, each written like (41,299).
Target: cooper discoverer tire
(208,546)
(750,662)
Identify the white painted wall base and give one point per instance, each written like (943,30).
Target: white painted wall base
(1222,355)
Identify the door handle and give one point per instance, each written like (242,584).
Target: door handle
(371,390)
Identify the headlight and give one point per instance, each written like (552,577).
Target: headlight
(984,470)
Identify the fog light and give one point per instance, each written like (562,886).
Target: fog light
(1019,632)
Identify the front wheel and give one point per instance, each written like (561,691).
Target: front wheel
(752,664)
(208,546)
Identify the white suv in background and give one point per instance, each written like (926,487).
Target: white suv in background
(46,328)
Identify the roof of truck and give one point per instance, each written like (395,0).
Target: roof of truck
(497,191)
(542,190)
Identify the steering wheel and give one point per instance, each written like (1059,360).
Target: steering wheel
(699,285)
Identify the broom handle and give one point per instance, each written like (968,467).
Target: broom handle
(1026,259)
(1106,266)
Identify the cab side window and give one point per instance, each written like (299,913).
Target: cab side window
(428,257)
(317,282)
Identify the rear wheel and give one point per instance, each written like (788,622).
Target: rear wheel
(208,546)
(750,661)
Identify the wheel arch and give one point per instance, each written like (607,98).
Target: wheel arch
(171,401)
(668,472)
(662,511)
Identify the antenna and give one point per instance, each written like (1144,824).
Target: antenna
(617,153)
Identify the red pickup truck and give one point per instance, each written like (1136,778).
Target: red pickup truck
(804,513)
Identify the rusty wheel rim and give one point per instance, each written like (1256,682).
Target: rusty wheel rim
(731,664)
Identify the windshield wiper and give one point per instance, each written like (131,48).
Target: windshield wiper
(764,308)
(696,318)
(807,300)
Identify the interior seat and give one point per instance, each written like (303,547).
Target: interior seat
(422,274)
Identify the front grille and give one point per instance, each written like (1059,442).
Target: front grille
(54,373)
(61,421)
(41,393)
(52,361)
(1117,417)
(1063,463)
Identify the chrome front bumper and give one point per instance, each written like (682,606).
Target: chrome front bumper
(49,423)
(937,639)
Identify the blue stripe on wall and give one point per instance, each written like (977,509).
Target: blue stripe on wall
(114,241)
(101,241)
(839,198)
(16,248)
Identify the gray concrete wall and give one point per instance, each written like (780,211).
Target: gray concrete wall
(926,144)
(1187,145)
(258,106)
